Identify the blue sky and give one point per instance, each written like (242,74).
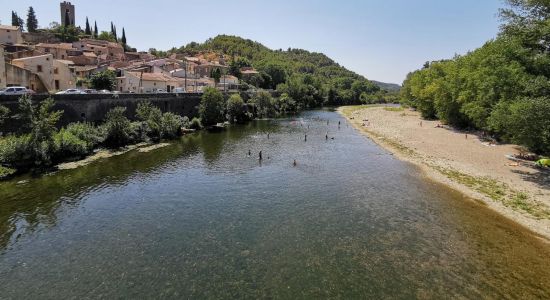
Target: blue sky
(382,40)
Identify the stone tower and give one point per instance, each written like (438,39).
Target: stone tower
(67,14)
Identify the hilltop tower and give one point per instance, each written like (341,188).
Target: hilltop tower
(67,14)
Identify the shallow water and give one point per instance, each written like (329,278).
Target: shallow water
(202,219)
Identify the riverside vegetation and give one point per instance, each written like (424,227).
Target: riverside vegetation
(41,145)
(501,88)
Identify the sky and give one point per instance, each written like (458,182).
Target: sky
(382,40)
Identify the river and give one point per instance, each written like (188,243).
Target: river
(202,219)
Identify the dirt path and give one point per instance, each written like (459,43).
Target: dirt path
(462,161)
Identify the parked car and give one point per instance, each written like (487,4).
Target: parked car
(179,90)
(160,91)
(16,90)
(90,91)
(70,91)
(105,92)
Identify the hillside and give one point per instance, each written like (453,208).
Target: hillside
(390,87)
(300,73)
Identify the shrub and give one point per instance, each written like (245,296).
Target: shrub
(171,125)
(15,151)
(235,109)
(87,132)
(69,145)
(4,112)
(265,106)
(118,129)
(185,122)
(78,139)
(196,123)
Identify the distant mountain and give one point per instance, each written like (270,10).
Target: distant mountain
(390,87)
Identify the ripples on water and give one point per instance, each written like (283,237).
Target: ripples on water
(203,219)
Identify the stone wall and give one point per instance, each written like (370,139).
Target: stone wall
(94,107)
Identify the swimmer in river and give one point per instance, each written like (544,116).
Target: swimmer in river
(294,163)
(260,155)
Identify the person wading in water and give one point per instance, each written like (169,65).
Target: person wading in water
(295,163)
(260,155)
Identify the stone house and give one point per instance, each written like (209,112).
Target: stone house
(64,74)
(10,35)
(41,65)
(147,82)
(205,69)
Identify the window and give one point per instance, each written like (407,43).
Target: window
(39,68)
(62,56)
(55,71)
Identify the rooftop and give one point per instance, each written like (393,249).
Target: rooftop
(7,27)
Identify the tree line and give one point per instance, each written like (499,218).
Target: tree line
(501,88)
(40,144)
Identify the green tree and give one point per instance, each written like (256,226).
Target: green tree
(105,80)
(88,30)
(236,110)
(32,22)
(123,39)
(17,21)
(212,106)
(216,74)
(118,128)
(41,121)
(265,106)
(106,36)
(96,32)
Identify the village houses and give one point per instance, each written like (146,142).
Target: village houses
(39,63)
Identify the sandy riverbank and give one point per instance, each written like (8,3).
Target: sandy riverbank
(463,162)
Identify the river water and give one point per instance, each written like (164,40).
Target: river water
(202,219)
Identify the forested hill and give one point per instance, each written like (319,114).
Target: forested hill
(291,70)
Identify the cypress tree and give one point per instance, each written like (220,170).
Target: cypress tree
(123,39)
(96,33)
(67,19)
(88,30)
(32,22)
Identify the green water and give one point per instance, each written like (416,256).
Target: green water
(201,219)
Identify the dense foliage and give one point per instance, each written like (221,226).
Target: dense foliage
(304,76)
(212,107)
(105,80)
(501,88)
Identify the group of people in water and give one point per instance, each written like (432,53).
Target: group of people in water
(294,163)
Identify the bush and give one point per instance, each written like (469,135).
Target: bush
(171,125)
(68,145)
(236,112)
(78,139)
(212,107)
(118,129)
(185,122)
(15,151)
(41,122)
(265,106)
(196,123)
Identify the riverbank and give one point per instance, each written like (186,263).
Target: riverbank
(462,161)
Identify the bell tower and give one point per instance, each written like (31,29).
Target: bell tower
(67,14)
